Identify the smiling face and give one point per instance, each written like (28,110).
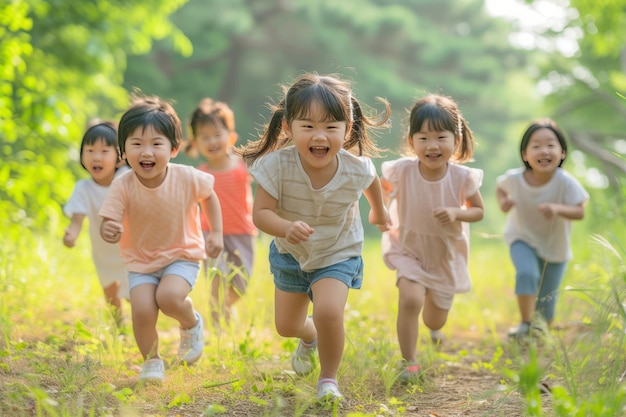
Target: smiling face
(99,159)
(434,149)
(317,138)
(213,142)
(148,152)
(543,152)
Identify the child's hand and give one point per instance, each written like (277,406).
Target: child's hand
(446,215)
(297,232)
(506,204)
(548,210)
(379,218)
(385,227)
(214,245)
(111,231)
(69,239)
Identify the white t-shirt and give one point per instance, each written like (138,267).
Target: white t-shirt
(332,211)
(87,199)
(549,237)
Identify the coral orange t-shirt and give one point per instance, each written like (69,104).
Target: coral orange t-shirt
(162,224)
(234,190)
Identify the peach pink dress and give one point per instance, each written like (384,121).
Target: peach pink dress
(418,247)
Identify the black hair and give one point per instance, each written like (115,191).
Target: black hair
(545,123)
(335,97)
(100,132)
(154,112)
(441,113)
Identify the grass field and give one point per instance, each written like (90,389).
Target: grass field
(61,353)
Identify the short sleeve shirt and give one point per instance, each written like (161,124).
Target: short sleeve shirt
(162,224)
(332,211)
(549,237)
(418,246)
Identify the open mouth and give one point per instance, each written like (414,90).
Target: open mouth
(96,169)
(147,164)
(319,151)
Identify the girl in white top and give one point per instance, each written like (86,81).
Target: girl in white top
(307,197)
(432,198)
(100,157)
(542,199)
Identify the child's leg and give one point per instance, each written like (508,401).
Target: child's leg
(144,315)
(110,295)
(410,302)
(527,276)
(434,316)
(548,292)
(290,316)
(172,297)
(329,301)
(223,296)
(112,298)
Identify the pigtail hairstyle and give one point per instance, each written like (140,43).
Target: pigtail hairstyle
(465,150)
(335,96)
(359,135)
(271,139)
(441,113)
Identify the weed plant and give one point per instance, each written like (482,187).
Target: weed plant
(62,354)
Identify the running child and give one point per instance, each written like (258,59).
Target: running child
(542,199)
(152,211)
(100,157)
(213,136)
(432,199)
(311,165)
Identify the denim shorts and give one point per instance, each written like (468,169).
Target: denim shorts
(289,277)
(187,270)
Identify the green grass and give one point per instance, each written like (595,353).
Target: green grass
(61,354)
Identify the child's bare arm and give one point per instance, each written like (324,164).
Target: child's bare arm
(504,201)
(550,210)
(473,212)
(265,218)
(213,212)
(73,230)
(374,195)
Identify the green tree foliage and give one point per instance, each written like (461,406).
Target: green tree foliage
(396,49)
(584,89)
(62,63)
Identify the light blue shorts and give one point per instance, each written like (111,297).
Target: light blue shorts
(536,276)
(289,277)
(187,270)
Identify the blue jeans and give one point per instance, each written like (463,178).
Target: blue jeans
(289,277)
(534,275)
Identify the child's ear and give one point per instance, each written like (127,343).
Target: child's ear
(174,153)
(232,138)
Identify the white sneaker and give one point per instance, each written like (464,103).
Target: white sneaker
(152,371)
(191,342)
(328,390)
(436,337)
(303,359)
(520,331)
